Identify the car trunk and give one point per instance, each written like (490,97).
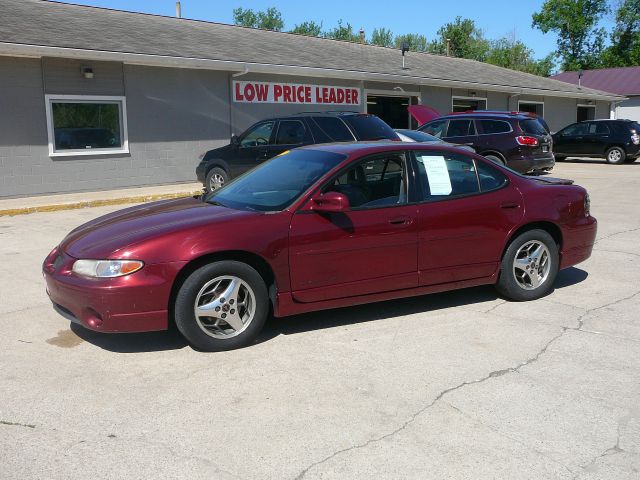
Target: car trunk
(533,128)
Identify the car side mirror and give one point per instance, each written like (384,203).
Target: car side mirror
(331,202)
(235,140)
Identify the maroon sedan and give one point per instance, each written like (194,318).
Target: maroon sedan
(315,228)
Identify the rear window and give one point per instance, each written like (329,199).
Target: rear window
(334,129)
(494,126)
(370,127)
(532,127)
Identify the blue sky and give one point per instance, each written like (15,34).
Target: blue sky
(497,18)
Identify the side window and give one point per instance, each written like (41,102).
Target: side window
(334,128)
(374,182)
(460,128)
(258,135)
(490,178)
(575,130)
(290,132)
(599,128)
(436,128)
(494,126)
(447,175)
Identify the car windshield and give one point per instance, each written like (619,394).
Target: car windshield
(532,127)
(370,127)
(418,136)
(276,184)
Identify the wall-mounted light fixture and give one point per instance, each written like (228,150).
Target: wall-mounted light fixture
(87,72)
(473,94)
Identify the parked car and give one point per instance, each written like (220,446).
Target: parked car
(517,140)
(270,137)
(319,227)
(413,136)
(617,141)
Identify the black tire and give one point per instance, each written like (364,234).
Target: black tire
(495,159)
(507,284)
(616,156)
(185,317)
(214,176)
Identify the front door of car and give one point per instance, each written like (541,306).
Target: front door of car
(371,247)
(462,132)
(254,147)
(467,213)
(571,140)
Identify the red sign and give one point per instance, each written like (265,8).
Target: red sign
(269,92)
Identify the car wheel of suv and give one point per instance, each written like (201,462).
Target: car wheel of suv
(221,306)
(616,155)
(216,178)
(529,266)
(495,159)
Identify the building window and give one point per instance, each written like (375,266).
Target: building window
(83,125)
(467,104)
(586,112)
(531,107)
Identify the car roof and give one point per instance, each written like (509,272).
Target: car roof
(368,147)
(488,115)
(329,113)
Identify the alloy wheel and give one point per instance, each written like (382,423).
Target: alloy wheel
(531,265)
(216,182)
(224,307)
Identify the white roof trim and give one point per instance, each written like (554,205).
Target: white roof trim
(23,50)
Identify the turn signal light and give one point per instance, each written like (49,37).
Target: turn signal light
(528,141)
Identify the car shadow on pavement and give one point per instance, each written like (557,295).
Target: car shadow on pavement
(132,342)
(601,161)
(394,308)
(172,340)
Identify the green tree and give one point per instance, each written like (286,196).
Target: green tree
(310,28)
(513,54)
(575,22)
(625,38)
(416,42)
(270,19)
(466,40)
(382,36)
(342,32)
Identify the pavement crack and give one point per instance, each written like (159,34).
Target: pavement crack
(413,417)
(17,424)
(581,318)
(616,233)
(496,306)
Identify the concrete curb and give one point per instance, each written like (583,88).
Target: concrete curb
(96,203)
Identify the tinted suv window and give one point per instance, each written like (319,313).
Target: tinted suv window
(532,127)
(334,129)
(290,132)
(370,127)
(446,175)
(598,128)
(574,130)
(258,135)
(461,128)
(436,128)
(494,126)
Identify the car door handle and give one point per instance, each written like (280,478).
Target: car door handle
(264,153)
(509,205)
(400,221)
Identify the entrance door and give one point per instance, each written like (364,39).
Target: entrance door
(392,110)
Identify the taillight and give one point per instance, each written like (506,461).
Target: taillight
(527,141)
(635,138)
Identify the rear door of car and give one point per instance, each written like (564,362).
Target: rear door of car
(597,139)
(462,131)
(290,134)
(467,212)
(494,135)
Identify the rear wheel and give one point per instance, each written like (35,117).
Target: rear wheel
(222,306)
(529,266)
(216,178)
(616,155)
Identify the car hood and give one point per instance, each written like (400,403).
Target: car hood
(109,235)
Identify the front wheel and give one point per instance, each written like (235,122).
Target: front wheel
(616,155)
(222,306)
(216,178)
(529,266)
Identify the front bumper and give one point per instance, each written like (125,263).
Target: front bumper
(133,303)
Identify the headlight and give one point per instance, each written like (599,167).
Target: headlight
(106,268)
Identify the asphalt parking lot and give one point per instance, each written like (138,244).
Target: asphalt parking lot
(458,385)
